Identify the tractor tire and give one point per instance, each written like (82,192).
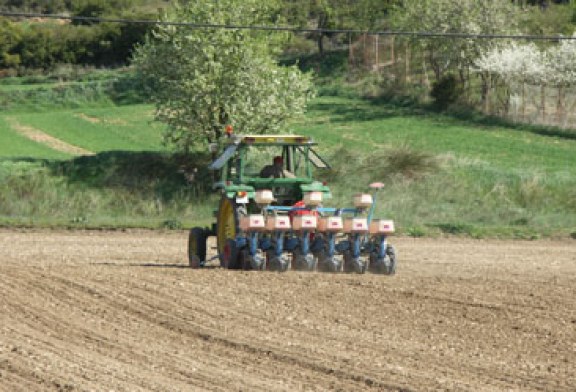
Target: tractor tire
(197,247)
(387,266)
(227,227)
(230,256)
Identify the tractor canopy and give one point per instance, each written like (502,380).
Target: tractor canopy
(283,163)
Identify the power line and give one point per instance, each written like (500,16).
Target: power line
(413,34)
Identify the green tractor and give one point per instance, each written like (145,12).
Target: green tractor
(271,213)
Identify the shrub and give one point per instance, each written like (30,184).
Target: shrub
(446,91)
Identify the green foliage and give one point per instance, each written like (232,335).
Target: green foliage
(455,16)
(71,91)
(44,6)
(41,194)
(335,14)
(416,232)
(446,91)
(555,19)
(10,35)
(45,45)
(204,79)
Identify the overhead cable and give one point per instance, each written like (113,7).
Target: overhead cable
(412,34)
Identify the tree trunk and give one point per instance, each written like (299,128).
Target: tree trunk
(485,89)
(320,42)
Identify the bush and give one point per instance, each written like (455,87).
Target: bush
(446,91)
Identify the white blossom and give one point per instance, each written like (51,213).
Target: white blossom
(527,63)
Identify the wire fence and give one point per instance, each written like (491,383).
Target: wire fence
(399,62)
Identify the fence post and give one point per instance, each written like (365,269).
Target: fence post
(487,98)
(523,103)
(543,102)
(377,49)
(560,106)
(407,64)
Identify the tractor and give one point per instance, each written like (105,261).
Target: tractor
(272,217)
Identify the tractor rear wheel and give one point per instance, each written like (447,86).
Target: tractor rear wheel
(197,247)
(227,227)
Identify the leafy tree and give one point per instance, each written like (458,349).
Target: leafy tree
(456,55)
(203,79)
(336,14)
(455,16)
(10,36)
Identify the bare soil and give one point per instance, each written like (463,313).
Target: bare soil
(121,311)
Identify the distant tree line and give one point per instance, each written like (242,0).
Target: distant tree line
(46,43)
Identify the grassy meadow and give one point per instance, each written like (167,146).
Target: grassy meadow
(443,174)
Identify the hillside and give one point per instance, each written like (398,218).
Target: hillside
(443,174)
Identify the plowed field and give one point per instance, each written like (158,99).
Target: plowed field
(120,311)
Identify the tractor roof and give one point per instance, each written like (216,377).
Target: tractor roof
(234,142)
(271,140)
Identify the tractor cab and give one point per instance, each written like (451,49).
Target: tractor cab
(282,163)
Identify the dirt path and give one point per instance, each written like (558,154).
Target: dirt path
(43,138)
(103,311)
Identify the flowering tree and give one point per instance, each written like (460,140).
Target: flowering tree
(514,63)
(202,79)
(555,66)
(526,64)
(454,16)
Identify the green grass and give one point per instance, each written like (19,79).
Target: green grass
(14,145)
(341,120)
(128,128)
(483,180)
(443,175)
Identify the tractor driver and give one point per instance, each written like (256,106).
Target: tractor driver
(276,170)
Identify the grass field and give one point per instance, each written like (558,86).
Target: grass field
(128,128)
(443,175)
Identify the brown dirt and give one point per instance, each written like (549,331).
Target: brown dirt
(121,311)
